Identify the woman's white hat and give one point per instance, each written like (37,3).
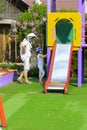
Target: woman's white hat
(30,35)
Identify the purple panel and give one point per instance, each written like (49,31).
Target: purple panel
(48,6)
(48,59)
(81,9)
(48,50)
(80,67)
(8,78)
(53,5)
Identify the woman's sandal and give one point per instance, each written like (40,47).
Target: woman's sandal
(28,82)
(20,81)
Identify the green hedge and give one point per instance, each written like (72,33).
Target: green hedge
(33,72)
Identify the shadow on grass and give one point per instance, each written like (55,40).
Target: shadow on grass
(55,91)
(36,79)
(74,82)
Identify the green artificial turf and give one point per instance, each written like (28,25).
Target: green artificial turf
(28,108)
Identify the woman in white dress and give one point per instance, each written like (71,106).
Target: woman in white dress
(25,53)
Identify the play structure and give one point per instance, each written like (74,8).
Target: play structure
(2,115)
(7,76)
(65,34)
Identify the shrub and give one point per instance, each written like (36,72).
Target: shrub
(19,68)
(33,72)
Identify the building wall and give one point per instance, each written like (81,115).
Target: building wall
(10,14)
(70,4)
(13,10)
(60,4)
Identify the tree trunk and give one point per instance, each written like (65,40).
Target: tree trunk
(15,48)
(9,51)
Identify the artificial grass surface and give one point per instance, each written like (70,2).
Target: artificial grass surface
(28,108)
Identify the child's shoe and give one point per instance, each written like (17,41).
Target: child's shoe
(42,83)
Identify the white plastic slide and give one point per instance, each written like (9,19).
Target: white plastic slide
(60,67)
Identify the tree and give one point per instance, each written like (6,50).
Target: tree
(1,11)
(1,7)
(33,20)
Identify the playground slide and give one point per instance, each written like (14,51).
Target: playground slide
(59,72)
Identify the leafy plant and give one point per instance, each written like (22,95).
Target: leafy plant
(33,72)
(29,21)
(1,7)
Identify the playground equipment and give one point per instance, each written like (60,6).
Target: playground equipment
(2,115)
(65,34)
(7,77)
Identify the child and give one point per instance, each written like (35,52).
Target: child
(40,58)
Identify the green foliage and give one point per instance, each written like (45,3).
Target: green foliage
(1,7)
(67,10)
(30,14)
(41,10)
(74,64)
(26,16)
(85,17)
(1,58)
(30,21)
(33,72)
(12,66)
(4,66)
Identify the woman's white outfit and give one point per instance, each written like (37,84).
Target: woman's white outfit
(25,57)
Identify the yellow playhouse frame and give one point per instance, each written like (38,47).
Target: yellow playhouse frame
(73,17)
